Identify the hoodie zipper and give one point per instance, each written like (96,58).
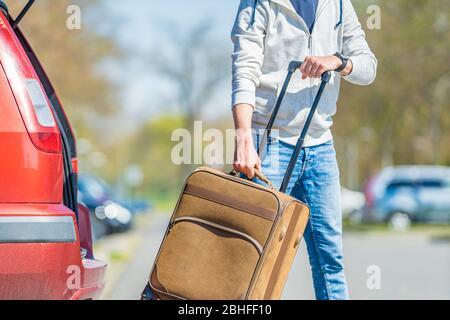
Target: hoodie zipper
(320,10)
(310,40)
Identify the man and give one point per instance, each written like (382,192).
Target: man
(327,36)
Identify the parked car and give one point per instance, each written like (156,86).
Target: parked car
(108,215)
(45,235)
(137,206)
(352,202)
(403,195)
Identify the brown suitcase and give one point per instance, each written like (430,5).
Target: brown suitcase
(230,238)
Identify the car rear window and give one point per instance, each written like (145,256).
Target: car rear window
(401,184)
(428,183)
(432,184)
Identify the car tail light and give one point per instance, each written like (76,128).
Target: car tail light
(75,165)
(369,192)
(369,198)
(39,102)
(31,99)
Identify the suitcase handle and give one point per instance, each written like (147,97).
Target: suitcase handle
(264,179)
(258,175)
(293,67)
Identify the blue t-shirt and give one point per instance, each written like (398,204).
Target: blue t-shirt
(306,9)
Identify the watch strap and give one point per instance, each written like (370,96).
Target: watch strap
(344,62)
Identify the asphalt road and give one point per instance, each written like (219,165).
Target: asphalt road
(397,266)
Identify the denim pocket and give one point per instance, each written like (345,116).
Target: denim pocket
(270,143)
(257,139)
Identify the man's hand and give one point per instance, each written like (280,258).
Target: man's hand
(246,158)
(314,67)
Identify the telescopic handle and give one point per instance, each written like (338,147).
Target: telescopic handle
(301,141)
(293,67)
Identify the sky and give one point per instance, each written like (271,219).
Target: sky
(138,25)
(148,15)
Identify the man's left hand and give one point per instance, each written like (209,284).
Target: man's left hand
(315,67)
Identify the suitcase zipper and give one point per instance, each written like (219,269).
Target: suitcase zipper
(253,241)
(240,181)
(250,184)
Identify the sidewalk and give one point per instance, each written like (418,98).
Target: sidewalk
(126,254)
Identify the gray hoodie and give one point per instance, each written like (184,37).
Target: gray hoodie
(268,35)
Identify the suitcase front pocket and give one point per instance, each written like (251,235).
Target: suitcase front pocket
(204,260)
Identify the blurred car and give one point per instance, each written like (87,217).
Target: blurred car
(45,235)
(137,206)
(352,202)
(404,195)
(108,215)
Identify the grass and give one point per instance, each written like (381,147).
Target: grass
(117,256)
(165,203)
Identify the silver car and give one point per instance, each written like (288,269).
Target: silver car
(403,195)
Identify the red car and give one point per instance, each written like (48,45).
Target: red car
(45,235)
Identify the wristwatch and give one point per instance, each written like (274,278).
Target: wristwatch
(344,60)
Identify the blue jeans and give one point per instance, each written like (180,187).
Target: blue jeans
(316,183)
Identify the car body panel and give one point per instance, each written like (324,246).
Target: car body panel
(23,165)
(85,230)
(422,192)
(46,270)
(434,202)
(45,247)
(352,201)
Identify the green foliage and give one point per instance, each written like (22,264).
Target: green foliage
(72,59)
(150,148)
(404,117)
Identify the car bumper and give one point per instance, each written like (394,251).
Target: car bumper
(38,262)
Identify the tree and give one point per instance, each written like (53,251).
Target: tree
(406,109)
(195,66)
(72,59)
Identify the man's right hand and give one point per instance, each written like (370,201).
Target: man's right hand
(246,157)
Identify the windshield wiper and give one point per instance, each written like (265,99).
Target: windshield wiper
(22,14)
